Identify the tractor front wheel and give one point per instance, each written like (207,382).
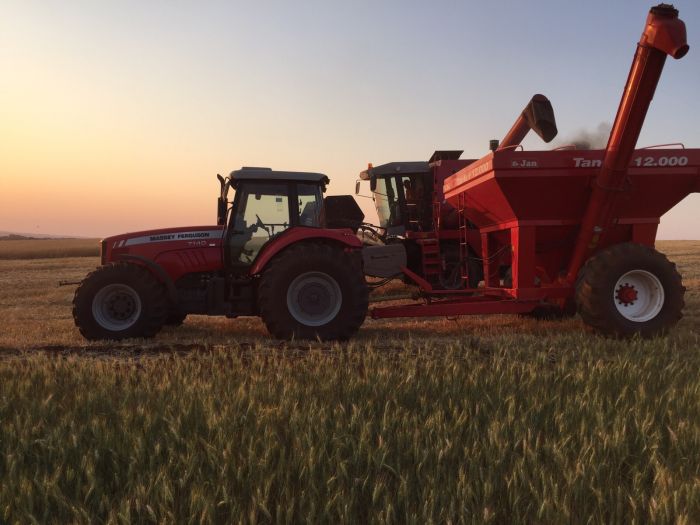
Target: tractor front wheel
(628,289)
(313,290)
(118,301)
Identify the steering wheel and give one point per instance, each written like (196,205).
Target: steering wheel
(261,224)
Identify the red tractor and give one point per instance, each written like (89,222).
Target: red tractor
(269,255)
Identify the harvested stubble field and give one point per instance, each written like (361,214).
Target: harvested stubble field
(48,248)
(484,419)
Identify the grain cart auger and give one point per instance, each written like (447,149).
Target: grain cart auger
(553,231)
(273,253)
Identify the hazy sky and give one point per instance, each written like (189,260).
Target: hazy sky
(116,116)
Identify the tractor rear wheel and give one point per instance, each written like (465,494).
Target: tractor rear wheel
(313,290)
(118,301)
(628,289)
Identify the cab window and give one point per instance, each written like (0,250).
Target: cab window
(310,205)
(262,210)
(386,196)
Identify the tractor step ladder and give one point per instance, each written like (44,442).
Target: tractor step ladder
(463,225)
(412,213)
(430,257)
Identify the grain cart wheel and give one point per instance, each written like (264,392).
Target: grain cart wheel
(630,288)
(313,290)
(119,300)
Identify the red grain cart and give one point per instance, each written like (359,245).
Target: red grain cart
(575,229)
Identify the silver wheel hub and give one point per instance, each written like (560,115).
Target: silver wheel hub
(314,298)
(116,307)
(639,296)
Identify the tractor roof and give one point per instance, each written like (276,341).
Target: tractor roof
(412,167)
(397,168)
(263,174)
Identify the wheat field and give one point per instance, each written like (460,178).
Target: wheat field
(497,419)
(48,248)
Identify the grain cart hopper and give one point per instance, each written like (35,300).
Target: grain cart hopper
(572,228)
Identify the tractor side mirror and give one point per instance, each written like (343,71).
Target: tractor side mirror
(373,183)
(357,187)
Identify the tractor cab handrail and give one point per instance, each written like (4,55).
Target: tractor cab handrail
(682,146)
(514,147)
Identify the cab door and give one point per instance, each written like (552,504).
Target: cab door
(260,212)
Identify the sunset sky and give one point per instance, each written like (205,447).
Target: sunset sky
(116,116)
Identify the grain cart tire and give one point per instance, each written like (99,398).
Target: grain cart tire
(118,301)
(313,290)
(628,289)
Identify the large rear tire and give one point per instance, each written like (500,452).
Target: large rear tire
(313,291)
(119,301)
(630,289)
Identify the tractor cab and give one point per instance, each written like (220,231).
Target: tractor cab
(266,204)
(402,193)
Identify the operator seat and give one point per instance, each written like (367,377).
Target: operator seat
(309,215)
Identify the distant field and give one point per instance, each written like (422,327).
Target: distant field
(484,419)
(49,248)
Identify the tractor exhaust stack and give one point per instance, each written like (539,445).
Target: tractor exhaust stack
(663,35)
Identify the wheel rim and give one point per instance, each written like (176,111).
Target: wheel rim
(116,307)
(639,296)
(314,298)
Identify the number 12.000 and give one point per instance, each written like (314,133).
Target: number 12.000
(660,161)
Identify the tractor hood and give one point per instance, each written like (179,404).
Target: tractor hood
(178,250)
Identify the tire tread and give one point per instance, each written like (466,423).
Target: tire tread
(274,312)
(153,292)
(593,291)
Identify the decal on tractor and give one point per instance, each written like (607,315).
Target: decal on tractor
(175,236)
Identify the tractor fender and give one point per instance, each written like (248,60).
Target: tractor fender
(292,236)
(157,269)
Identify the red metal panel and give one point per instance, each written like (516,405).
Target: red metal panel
(422,283)
(556,185)
(523,257)
(299,233)
(178,250)
(452,308)
(177,263)
(491,277)
(644,233)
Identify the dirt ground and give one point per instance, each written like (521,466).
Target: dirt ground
(36,313)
